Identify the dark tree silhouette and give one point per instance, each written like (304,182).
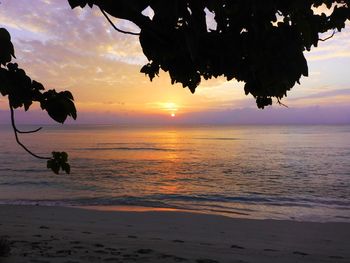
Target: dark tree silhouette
(258,42)
(22,92)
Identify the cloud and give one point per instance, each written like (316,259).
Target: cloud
(336,47)
(83,30)
(327,97)
(272,115)
(327,94)
(78,50)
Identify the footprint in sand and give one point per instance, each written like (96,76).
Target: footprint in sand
(175,258)
(101,252)
(39,261)
(206,261)
(300,253)
(155,238)
(179,259)
(110,249)
(270,250)
(35,243)
(178,241)
(165,256)
(64,251)
(79,247)
(144,251)
(98,245)
(91,258)
(44,227)
(237,247)
(336,257)
(130,257)
(206,244)
(131,236)
(111,260)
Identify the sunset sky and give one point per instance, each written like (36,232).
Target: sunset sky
(79,51)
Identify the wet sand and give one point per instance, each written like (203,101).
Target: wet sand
(58,234)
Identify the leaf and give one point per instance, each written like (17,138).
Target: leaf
(75,3)
(68,94)
(53,165)
(150,69)
(66,168)
(59,161)
(37,86)
(6,47)
(27,104)
(59,105)
(54,109)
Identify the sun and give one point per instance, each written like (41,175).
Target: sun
(171,108)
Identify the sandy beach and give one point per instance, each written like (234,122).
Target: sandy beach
(58,234)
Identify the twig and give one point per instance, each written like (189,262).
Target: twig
(280,103)
(324,39)
(119,30)
(32,131)
(17,139)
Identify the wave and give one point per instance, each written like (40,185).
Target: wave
(218,138)
(127,149)
(247,207)
(27,183)
(202,202)
(259,200)
(92,201)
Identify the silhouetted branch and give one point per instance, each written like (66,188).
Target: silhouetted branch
(32,131)
(324,39)
(17,139)
(280,103)
(119,30)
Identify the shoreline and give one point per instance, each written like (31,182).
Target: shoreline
(315,218)
(66,234)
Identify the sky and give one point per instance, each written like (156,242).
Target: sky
(78,50)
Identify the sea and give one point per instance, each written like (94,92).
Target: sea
(290,172)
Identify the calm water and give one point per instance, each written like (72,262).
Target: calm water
(279,172)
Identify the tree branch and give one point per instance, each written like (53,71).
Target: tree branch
(324,39)
(281,104)
(119,30)
(31,131)
(17,139)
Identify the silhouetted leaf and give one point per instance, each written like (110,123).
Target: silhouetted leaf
(81,3)
(6,47)
(59,162)
(59,105)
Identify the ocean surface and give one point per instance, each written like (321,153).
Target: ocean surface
(265,172)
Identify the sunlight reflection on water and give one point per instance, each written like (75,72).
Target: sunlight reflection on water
(281,172)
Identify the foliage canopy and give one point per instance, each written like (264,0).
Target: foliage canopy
(258,42)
